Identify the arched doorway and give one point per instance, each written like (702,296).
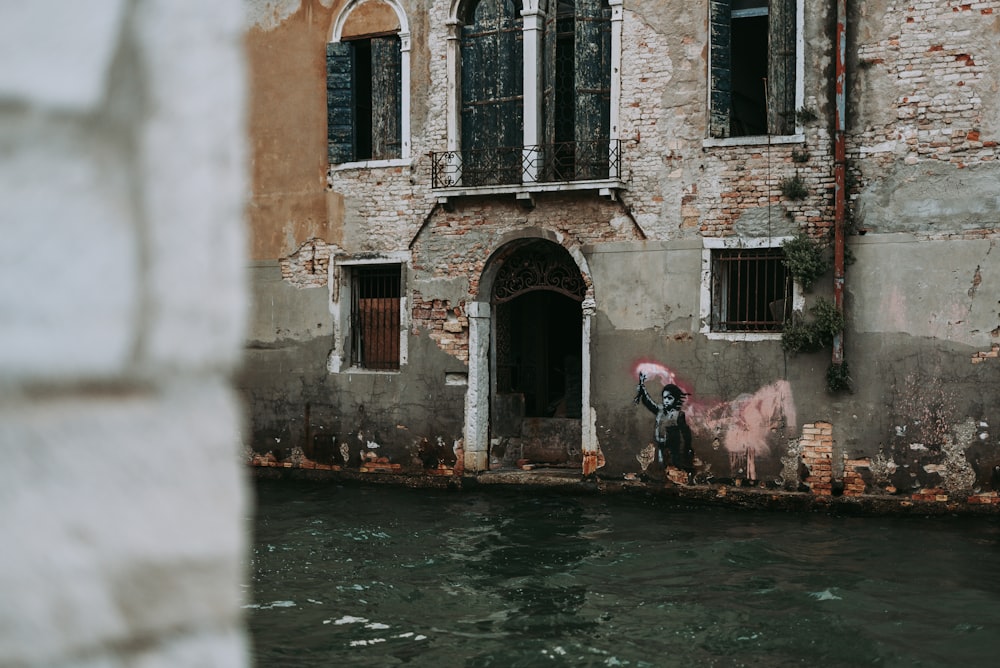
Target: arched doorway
(536,373)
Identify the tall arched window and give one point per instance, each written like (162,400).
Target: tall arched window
(367,75)
(492,93)
(533,94)
(576,79)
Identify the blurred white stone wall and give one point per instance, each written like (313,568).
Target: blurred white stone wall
(122,308)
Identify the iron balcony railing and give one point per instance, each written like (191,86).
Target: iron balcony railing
(541,163)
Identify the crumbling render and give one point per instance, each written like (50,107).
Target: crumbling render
(448,325)
(308,266)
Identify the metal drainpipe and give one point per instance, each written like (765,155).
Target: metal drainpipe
(839,174)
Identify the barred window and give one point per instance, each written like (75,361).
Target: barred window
(751,290)
(375,316)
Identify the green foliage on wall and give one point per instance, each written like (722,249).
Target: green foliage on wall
(838,377)
(800,336)
(806,259)
(794,188)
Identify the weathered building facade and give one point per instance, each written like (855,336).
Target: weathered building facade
(492,234)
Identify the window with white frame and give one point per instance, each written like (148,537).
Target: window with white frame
(747,292)
(375,311)
(370,316)
(367,80)
(751,290)
(753,74)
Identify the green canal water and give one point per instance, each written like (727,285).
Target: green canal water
(388,576)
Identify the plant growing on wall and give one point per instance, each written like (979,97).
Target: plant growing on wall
(838,377)
(793,188)
(805,115)
(801,336)
(800,156)
(806,259)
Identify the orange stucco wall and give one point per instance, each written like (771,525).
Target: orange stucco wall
(287,126)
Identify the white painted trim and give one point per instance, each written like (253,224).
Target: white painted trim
(535,187)
(338,24)
(389,257)
(477,395)
(370,164)
(531,61)
(616,76)
(705,311)
(754,140)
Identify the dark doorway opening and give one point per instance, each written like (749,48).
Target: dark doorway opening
(544,353)
(536,357)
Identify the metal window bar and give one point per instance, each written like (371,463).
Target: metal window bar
(560,162)
(375,311)
(751,290)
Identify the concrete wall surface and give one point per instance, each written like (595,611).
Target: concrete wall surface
(916,416)
(123,299)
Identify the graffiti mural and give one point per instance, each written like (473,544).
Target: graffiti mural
(747,428)
(671,431)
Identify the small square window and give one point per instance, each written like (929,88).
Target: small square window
(751,290)
(375,316)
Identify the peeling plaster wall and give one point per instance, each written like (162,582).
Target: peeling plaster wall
(923,218)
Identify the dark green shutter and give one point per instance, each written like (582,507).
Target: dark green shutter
(386,98)
(593,88)
(548,73)
(721,89)
(492,100)
(340,102)
(781,67)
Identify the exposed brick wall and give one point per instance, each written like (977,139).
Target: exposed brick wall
(993,353)
(817,455)
(308,266)
(384,206)
(748,177)
(939,81)
(458,243)
(447,324)
(854,482)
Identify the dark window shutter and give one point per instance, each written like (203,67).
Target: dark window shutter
(492,100)
(548,73)
(386,98)
(339,102)
(593,87)
(720,91)
(781,67)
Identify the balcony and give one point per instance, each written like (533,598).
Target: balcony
(592,165)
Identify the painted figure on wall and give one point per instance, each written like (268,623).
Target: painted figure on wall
(671,431)
(751,429)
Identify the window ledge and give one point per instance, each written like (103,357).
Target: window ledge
(605,187)
(370,164)
(755,140)
(370,372)
(743,336)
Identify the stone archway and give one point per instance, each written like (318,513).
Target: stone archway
(529,367)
